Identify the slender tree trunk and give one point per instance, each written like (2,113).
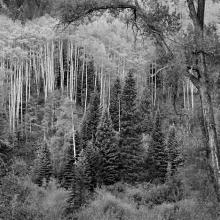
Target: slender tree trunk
(86,87)
(205,90)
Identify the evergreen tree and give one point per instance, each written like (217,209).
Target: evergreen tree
(109,152)
(69,165)
(174,158)
(5,156)
(114,108)
(43,167)
(92,156)
(131,150)
(157,153)
(91,120)
(145,109)
(80,185)
(77,143)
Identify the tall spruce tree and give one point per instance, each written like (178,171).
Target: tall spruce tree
(115,102)
(80,186)
(109,151)
(157,153)
(174,158)
(91,120)
(145,109)
(131,150)
(92,162)
(78,143)
(69,167)
(43,167)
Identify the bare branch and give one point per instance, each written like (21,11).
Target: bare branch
(159,71)
(81,9)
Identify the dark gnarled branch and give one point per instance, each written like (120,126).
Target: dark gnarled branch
(72,11)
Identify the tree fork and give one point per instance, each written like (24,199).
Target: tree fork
(204,90)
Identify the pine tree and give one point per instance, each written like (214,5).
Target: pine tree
(5,156)
(77,143)
(91,120)
(109,152)
(174,158)
(69,166)
(146,125)
(131,150)
(92,156)
(80,185)
(43,167)
(114,108)
(157,153)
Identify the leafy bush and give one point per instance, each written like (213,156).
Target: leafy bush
(107,207)
(20,199)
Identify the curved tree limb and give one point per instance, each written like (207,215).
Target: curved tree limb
(80,9)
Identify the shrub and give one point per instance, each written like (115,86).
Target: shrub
(20,199)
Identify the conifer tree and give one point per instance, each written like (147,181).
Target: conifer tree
(69,166)
(157,153)
(114,108)
(77,143)
(145,110)
(91,120)
(92,156)
(131,150)
(43,167)
(174,158)
(80,186)
(106,142)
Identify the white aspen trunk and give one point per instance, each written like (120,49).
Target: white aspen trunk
(68,60)
(192,95)
(152,84)
(14,97)
(21,99)
(61,66)
(85,107)
(187,93)
(109,92)
(76,75)
(102,90)
(119,113)
(184,96)
(71,71)
(155,85)
(10,102)
(52,65)
(73,133)
(82,78)
(95,87)
(46,70)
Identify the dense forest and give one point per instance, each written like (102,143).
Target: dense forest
(109,110)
